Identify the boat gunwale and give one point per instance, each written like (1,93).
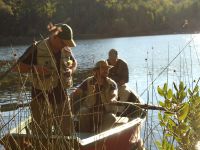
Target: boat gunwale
(86,141)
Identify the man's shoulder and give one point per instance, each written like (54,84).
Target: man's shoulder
(112,84)
(85,83)
(88,80)
(122,61)
(43,44)
(110,81)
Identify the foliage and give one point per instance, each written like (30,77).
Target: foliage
(4,8)
(180,122)
(109,17)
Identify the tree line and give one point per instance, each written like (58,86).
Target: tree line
(99,17)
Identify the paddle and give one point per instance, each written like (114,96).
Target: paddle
(14,106)
(143,106)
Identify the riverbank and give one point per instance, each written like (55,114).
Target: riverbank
(26,40)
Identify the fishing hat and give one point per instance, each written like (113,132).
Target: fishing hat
(102,64)
(66,34)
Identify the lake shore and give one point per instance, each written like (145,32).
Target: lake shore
(26,40)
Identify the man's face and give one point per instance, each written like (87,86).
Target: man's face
(61,44)
(112,57)
(103,71)
(58,43)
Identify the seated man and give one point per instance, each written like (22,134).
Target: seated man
(94,94)
(119,73)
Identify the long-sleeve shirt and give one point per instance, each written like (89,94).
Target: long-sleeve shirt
(119,72)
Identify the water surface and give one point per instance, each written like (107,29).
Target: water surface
(158,59)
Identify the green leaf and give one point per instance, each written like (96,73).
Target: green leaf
(181,86)
(161,104)
(159,145)
(183,127)
(162,124)
(171,122)
(178,139)
(190,92)
(159,116)
(160,91)
(169,113)
(169,94)
(182,96)
(165,118)
(168,104)
(175,87)
(165,88)
(168,135)
(164,144)
(196,89)
(183,112)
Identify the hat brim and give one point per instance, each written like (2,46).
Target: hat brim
(107,67)
(70,43)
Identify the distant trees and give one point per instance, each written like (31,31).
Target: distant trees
(108,17)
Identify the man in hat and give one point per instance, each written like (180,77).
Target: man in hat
(93,95)
(51,63)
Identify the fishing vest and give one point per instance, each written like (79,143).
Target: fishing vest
(105,94)
(45,58)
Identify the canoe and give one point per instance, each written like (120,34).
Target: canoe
(123,135)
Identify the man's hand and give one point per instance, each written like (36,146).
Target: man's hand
(121,82)
(113,100)
(68,51)
(68,72)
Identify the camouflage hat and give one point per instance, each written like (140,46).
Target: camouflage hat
(66,35)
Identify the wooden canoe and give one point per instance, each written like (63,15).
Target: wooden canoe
(122,136)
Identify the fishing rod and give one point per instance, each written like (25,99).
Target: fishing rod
(167,66)
(140,105)
(15,106)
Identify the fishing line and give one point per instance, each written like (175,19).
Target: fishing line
(167,66)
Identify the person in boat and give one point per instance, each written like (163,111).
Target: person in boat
(119,73)
(93,96)
(51,64)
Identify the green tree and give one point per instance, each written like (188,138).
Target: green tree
(180,123)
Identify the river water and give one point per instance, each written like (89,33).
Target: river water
(152,61)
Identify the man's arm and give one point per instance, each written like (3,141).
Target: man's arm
(72,62)
(74,65)
(27,60)
(28,64)
(113,93)
(124,73)
(76,97)
(114,96)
